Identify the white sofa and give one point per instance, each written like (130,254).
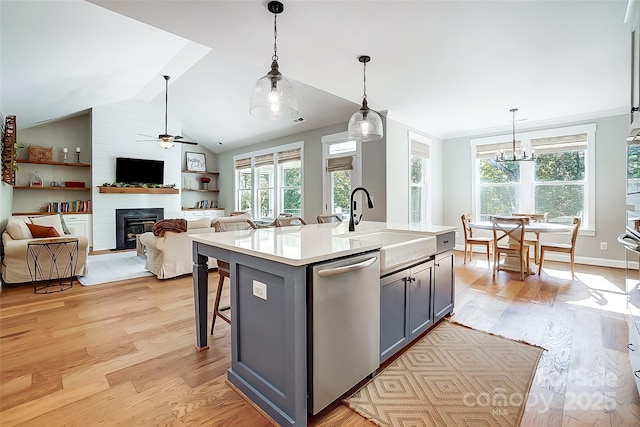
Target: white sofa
(15,239)
(170,255)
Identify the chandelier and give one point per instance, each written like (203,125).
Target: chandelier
(514,157)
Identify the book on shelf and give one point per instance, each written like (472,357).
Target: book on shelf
(73,206)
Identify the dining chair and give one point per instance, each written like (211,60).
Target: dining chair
(220,225)
(289,220)
(470,241)
(322,219)
(569,248)
(535,241)
(508,235)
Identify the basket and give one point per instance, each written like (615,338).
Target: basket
(40,154)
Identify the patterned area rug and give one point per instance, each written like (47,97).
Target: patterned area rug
(454,376)
(114,267)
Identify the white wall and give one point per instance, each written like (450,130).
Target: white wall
(610,157)
(115,128)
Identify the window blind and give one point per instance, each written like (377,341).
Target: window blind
(560,143)
(243,163)
(289,155)
(340,164)
(419,149)
(264,160)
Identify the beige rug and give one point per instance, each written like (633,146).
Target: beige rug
(454,376)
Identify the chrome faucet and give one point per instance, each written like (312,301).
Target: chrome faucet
(352,218)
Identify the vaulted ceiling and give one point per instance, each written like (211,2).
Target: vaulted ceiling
(446,68)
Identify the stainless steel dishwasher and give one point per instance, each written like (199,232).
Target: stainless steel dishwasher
(344,326)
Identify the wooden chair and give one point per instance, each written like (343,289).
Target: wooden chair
(289,220)
(508,235)
(220,225)
(535,241)
(563,247)
(469,240)
(322,219)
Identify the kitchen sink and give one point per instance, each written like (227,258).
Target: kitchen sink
(399,248)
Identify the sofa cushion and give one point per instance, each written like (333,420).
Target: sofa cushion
(49,221)
(199,223)
(42,231)
(18,230)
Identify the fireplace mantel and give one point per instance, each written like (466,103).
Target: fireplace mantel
(138,190)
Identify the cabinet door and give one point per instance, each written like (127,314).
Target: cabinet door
(81,225)
(393,330)
(214,213)
(443,285)
(419,290)
(192,215)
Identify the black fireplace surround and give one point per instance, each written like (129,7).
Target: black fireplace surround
(130,222)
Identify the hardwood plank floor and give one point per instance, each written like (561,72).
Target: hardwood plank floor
(124,353)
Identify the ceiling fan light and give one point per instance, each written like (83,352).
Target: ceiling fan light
(165,143)
(365,125)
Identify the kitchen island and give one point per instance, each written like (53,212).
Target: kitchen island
(278,341)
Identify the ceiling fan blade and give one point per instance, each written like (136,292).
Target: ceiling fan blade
(186,142)
(178,137)
(146,140)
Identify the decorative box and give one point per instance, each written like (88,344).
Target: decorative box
(40,154)
(74,184)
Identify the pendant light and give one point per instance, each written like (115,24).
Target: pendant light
(500,157)
(274,98)
(365,125)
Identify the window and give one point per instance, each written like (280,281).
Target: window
(418,181)
(341,160)
(559,182)
(269,182)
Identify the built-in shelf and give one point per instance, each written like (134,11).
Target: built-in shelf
(42,187)
(139,190)
(201,172)
(202,191)
(49,213)
(77,165)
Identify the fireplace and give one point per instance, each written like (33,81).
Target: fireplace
(130,222)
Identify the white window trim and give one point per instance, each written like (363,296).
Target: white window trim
(356,172)
(255,188)
(589,216)
(413,136)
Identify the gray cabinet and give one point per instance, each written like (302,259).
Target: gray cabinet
(412,300)
(406,308)
(443,285)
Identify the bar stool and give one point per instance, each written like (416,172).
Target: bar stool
(220,225)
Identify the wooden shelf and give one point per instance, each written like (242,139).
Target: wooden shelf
(50,213)
(139,190)
(77,165)
(202,191)
(201,173)
(28,187)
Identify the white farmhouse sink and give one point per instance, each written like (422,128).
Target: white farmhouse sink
(398,247)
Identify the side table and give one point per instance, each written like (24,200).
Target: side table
(52,260)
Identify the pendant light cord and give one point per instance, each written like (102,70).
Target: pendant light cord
(166,101)
(364,80)
(275,38)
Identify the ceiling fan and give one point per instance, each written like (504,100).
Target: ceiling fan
(165,140)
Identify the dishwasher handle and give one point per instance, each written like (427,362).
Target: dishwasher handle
(328,272)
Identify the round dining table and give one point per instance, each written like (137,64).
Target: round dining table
(512,262)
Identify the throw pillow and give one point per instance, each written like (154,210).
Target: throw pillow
(42,231)
(64,225)
(49,221)
(18,230)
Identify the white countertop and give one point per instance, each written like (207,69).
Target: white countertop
(308,244)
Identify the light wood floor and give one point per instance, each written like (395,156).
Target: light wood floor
(123,354)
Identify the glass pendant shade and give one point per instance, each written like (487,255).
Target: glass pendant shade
(273,98)
(365,125)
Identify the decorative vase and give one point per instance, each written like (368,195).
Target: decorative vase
(204,185)
(36,181)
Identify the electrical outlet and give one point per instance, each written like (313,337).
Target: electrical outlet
(603,246)
(260,290)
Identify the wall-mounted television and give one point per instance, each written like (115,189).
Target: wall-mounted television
(139,171)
